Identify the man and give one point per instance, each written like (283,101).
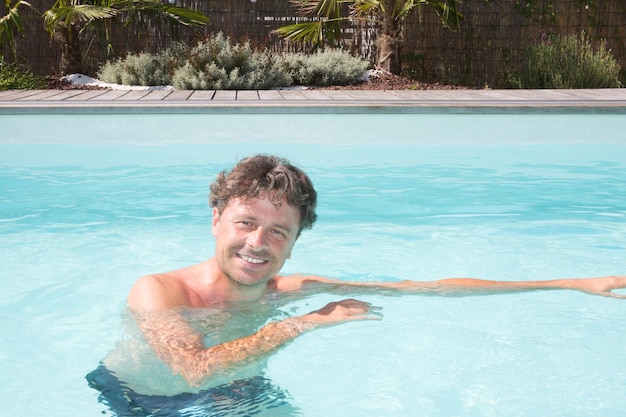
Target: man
(259,210)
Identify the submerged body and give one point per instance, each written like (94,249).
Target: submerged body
(259,211)
(256,224)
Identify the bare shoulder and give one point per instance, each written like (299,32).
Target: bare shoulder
(157,291)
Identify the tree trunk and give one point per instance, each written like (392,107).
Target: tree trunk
(389,41)
(67,38)
(388,58)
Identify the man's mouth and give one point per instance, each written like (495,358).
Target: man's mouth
(251,259)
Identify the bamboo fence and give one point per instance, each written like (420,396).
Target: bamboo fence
(485,50)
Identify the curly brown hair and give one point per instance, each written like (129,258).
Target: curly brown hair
(271,175)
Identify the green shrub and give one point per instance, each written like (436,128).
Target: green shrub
(143,69)
(323,68)
(568,62)
(218,64)
(12,77)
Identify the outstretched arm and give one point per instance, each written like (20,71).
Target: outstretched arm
(458,286)
(466,286)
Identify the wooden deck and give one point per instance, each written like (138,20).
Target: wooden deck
(20,99)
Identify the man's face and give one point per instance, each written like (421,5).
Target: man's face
(254,239)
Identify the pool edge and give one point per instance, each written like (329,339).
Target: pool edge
(311,101)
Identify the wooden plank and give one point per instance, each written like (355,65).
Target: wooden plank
(225,95)
(40,94)
(11,94)
(64,95)
(178,95)
(204,95)
(110,95)
(270,95)
(315,95)
(134,95)
(369,95)
(86,95)
(292,94)
(337,95)
(417,94)
(156,95)
(247,95)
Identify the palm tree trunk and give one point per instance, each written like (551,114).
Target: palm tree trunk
(67,38)
(389,41)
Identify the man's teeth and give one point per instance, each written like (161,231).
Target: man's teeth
(251,260)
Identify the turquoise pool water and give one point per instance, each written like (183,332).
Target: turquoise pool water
(91,202)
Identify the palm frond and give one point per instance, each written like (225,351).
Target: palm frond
(317,32)
(403,7)
(186,17)
(303,32)
(446,10)
(326,26)
(12,20)
(304,7)
(364,9)
(71,14)
(154,8)
(330,9)
(10,23)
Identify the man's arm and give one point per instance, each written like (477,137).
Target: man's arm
(182,348)
(603,286)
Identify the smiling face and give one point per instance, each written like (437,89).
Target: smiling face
(254,238)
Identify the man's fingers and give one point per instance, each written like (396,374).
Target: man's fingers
(361,310)
(614,295)
(346,310)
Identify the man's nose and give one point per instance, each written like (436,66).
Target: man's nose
(257,238)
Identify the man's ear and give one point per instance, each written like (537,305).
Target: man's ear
(215,222)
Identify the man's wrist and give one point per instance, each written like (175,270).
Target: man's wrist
(299,325)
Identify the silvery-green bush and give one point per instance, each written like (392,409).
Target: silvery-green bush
(142,69)
(329,67)
(568,62)
(218,64)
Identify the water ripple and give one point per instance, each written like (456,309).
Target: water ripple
(17,219)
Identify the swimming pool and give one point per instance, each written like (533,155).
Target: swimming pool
(90,202)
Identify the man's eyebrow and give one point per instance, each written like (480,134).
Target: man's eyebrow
(276,225)
(283,227)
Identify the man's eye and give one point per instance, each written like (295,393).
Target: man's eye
(279,234)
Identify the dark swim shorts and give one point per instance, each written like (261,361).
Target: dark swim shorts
(255,396)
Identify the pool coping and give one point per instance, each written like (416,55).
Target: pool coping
(18,101)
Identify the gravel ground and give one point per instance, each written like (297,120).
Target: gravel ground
(387,81)
(382,81)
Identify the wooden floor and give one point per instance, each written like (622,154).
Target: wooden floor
(608,98)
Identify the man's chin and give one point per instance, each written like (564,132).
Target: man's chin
(248,281)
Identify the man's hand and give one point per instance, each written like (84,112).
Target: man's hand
(341,311)
(600,286)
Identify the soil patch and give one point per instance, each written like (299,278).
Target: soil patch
(387,81)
